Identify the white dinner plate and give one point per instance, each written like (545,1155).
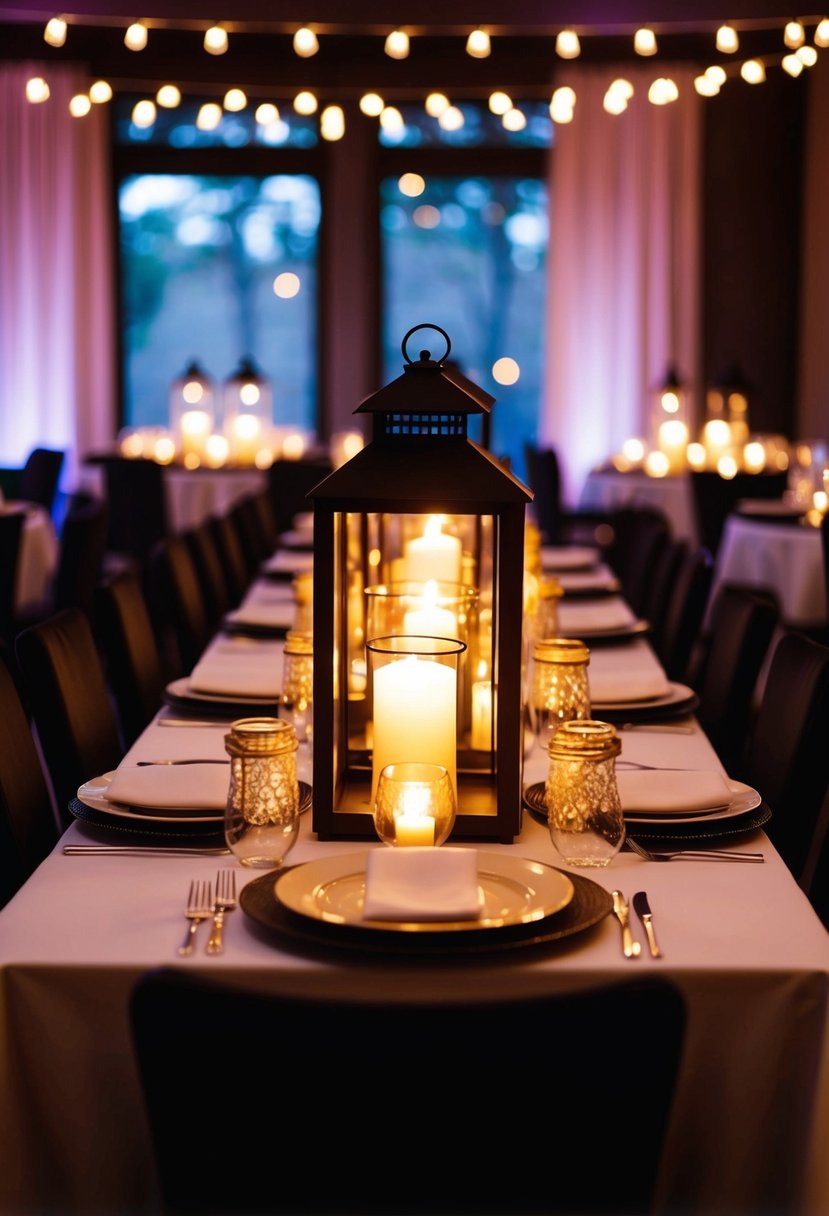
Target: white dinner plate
(516,891)
(743,798)
(94,795)
(676,695)
(180,690)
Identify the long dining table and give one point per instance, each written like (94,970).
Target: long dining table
(751,1115)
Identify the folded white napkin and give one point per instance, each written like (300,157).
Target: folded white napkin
(580,618)
(567,557)
(422,884)
(236,675)
(647,792)
(174,787)
(620,687)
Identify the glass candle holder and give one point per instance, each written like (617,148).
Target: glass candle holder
(262,813)
(414,805)
(584,811)
(559,688)
(415,693)
(298,693)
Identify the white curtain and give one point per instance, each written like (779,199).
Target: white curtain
(624,263)
(57,314)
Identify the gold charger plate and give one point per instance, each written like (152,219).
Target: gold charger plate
(516,891)
(589,905)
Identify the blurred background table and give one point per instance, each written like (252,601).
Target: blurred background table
(608,489)
(780,556)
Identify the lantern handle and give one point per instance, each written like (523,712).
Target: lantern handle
(425,354)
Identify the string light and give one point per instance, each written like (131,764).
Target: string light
(266,113)
(235,100)
(477,44)
(514,119)
(644,42)
(168,96)
(451,119)
(209,116)
(753,71)
(807,56)
(143,113)
(332,123)
(55,31)
(215,40)
(435,104)
(563,104)
(306,43)
(822,32)
(792,65)
(705,86)
(794,35)
(37,90)
(727,40)
(568,45)
(663,91)
(135,39)
(305,102)
(371,104)
(397,45)
(391,120)
(80,105)
(499,103)
(100,92)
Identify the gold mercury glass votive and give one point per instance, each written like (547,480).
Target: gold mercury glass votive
(584,811)
(262,814)
(559,688)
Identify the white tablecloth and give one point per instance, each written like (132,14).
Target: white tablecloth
(782,557)
(741,941)
(672,495)
(193,495)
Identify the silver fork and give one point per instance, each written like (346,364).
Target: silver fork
(199,908)
(225,902)
(693,854)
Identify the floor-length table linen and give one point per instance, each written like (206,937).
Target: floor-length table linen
(741,941)
(784,558)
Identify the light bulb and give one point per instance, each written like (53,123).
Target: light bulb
(397,44)
(37,90)
(793,34)
(391,120)
(435,104)
(792,65)
(807,56)
(568,45)
(168,96)
(209,116)
(451,119)
(727,40)
(371,104)
(822,32)
(644,42)
(266,113)
(235,100)
(306,43)
(136,36)
(499,103)
(80,105)
(100,92)
(753,71)
(717,74)
(514,120)
(477,44)
(663,91)
(55,31)
(143,113)
(705,86)
(215,40)
(305,102)
(332,123)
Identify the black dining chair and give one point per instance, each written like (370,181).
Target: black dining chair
(372,1081)
(11,538)
(76,724)
(177,606)
(787,758)
(639,535)
(82,545)
(716,497)
(289,482)
(558,523)
(229,549)
(659,585)
(682,627)
(210,571)
(743,621)
(132,659)
(28,827)
(37,481)
(138,511)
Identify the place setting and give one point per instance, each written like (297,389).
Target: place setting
(609,619)
(235,677)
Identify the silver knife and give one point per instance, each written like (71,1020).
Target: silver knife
(140,850)
(630,947)
(643,911)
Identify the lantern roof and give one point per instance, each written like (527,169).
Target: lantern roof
(428,387)
(421,477)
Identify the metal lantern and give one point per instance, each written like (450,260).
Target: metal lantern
(670,421)
(248,412)
(192,411)
(420,504)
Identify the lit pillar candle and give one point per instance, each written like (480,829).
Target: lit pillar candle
(482,715)
(434,555)
(196,426)
(673,441)
(245,440)
(428,619)
(414,716)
